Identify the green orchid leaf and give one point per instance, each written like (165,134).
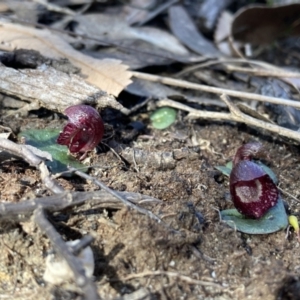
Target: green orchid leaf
(163,117)
(228,167)
(45,139)
(268,171)
(274,220)
(224,170)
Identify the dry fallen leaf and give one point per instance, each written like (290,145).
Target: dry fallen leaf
(108,74)
(186,31)
(136,54)
(209,11)
(138,10)
(115,28)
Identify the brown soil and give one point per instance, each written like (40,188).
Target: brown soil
(234,265)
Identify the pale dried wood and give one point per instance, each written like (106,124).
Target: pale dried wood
(109,75)
(52,89)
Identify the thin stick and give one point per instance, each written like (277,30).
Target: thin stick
(56,8)
(116,195)
(193,111)
(234,115)
(24,209)
(87,286)
(172,274)
(214,90)
(226,61)
(238,116)
(263,73)
(129,204)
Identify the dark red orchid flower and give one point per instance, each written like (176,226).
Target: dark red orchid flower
(83,131)
(252,190)
(247,152)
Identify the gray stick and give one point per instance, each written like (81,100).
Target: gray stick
(87,286)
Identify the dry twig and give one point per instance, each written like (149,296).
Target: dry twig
(174,275)
(264,67)
(56,8)
(129,204)
(214,90)
(263,73)
(101,199)
(87,286)
(234,115)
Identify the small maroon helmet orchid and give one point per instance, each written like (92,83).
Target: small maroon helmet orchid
(83,131)
(252,190)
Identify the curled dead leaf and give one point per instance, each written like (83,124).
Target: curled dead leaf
(260,24)
(186,31)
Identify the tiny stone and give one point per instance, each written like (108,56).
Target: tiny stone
(172,263)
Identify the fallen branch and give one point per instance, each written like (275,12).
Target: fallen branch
(23,210)
(39,87)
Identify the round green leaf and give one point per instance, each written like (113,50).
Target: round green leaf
(163,117)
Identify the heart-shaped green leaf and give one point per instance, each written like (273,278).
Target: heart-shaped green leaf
(45,139)
(275,219)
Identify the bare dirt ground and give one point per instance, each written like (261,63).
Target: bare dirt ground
(130,248)
(136,257)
